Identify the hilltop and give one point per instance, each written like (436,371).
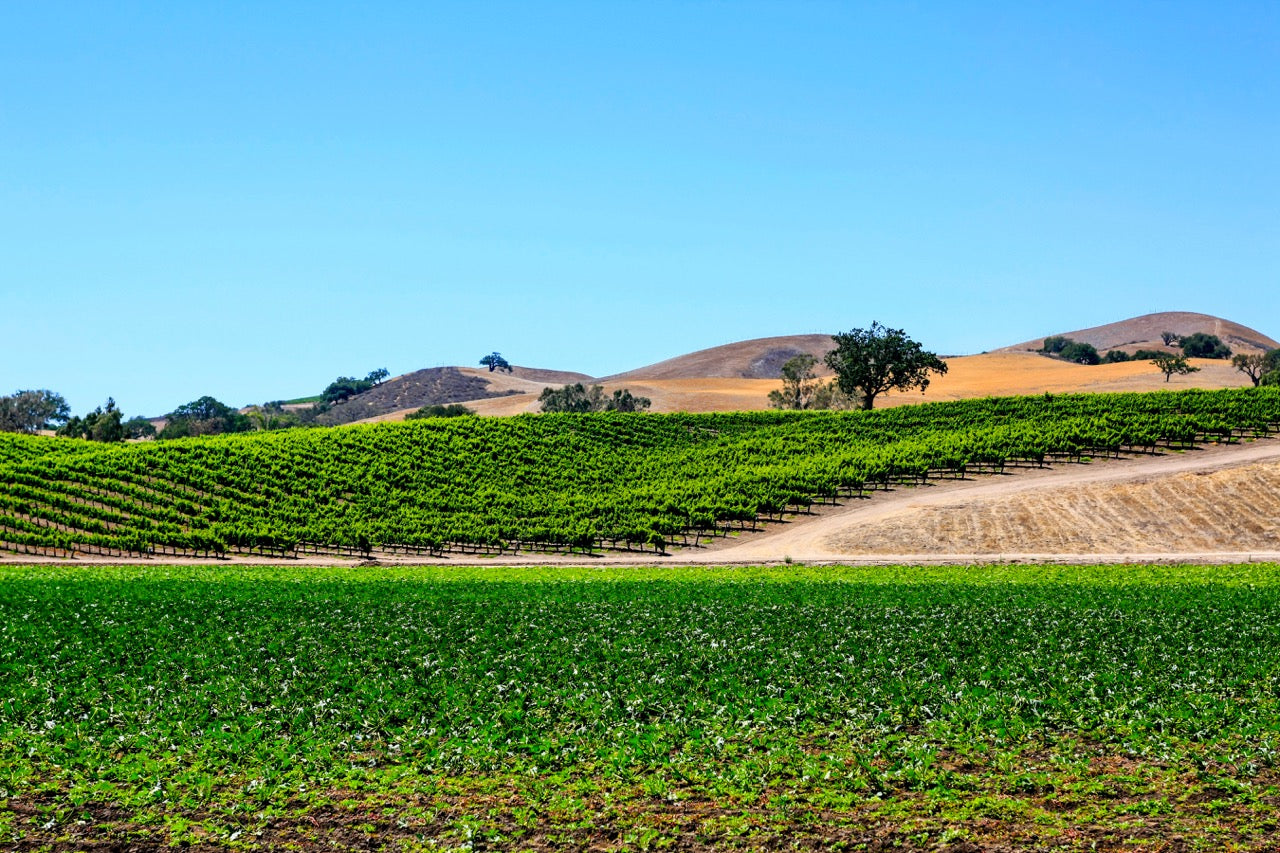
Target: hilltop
(1145,333)
(739,376)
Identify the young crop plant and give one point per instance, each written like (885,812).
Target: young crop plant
(519,708)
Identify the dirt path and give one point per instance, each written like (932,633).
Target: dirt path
(863,531)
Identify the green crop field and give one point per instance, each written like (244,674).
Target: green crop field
(961,709)
(554,482)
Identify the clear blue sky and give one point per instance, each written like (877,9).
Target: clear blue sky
(249,199)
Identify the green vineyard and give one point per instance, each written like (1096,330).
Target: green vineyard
(555,482)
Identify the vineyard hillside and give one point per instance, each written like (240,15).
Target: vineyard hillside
(558,483)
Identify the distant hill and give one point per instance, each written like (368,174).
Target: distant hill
(738,376)
(761,358)
(1144,333)
(443,385)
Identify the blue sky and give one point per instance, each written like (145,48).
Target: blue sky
(248,199)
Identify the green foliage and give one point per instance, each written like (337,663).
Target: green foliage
(274,416)
(345,387)
(869,362)
(1054,344)
(495,361)
(1171,339)
(802,389)
(205,416)
(1170,364)
(453,410)
(139,427)
(572,398)
(102,424)
(1201,345)
(624,401)
(579,399)
(1252,365)
(1116,356)
(250,698)
(31,411)
(1080,353)
(566,481)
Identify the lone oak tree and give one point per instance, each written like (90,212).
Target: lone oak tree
(869,362)
(1170,364)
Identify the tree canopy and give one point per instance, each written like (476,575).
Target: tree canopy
(1170,364)
(205,416)
(31,411)
(802,389)
(1201,345)
(105,423)
(869,362)
(495,361)
(579,398)
(345,387)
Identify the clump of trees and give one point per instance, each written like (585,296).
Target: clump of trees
(273,415)
(1070,350)
(495,361)
(205,416)
(1201,345)
(345,387)
(1117,355)
(869,362)
(803,389)
(579,398)
(32,411)
(1198,345)
(105,423)
(453,410)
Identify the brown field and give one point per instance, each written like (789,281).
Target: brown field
(1218,502)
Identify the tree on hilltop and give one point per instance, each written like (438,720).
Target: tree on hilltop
(345,387)
(869,362)
(495,361)
(31,411)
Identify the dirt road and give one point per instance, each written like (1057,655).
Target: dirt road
(1218,503)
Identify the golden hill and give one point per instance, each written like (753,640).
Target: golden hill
(739,376)
(1145,333)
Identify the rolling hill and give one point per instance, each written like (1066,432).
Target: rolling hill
(739,376)
(1145,333)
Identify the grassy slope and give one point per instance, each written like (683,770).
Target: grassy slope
(1028,708)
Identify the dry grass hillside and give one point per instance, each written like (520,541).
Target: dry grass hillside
(761,358)
(993,374)
(1144,333)
(739,376)
(1149,515)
